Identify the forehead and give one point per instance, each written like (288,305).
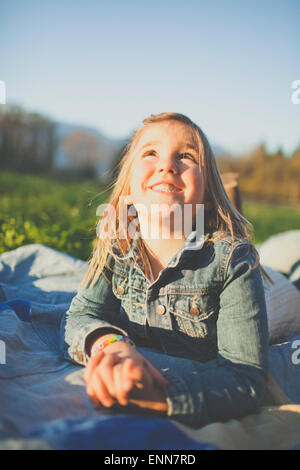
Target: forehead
(172,133)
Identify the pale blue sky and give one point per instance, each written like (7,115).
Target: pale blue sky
(227,64)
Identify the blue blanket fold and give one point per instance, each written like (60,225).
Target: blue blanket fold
(117,433)
(20,306)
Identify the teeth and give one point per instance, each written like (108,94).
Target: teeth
(168,188)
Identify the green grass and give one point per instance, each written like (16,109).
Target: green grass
(38,209)
(62,214)
(268,219)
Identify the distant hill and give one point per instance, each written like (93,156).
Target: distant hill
(105,149)
(219,152)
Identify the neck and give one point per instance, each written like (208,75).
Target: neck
(162,238)
(160,252)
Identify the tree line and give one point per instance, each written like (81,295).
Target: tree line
(27,140)
(272,177)
(33,143)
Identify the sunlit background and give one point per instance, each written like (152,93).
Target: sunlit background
(81,75)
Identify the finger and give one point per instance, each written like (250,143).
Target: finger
(105,370)
(91,364)
(92,395)
(157,376)
(133,373)
(101,391)
(123,385)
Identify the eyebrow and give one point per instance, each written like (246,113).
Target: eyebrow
(150,143)
(187,147)
(190,147)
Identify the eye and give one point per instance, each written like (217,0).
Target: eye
(149,153)
(188,156)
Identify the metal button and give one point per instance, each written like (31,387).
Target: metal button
(120,290)
(160,309)
(194,311)
(79,355)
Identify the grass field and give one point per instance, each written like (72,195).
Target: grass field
(62,214)
(269,219)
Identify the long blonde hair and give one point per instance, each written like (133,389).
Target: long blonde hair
(221,219)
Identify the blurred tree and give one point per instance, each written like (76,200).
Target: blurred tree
(293,171)
(27,140)
(268,177)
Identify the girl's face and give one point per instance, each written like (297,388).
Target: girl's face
(166,166)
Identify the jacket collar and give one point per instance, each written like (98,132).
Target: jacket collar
(194,242)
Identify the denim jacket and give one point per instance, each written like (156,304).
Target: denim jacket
(203,322)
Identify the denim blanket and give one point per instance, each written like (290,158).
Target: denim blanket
(43,403)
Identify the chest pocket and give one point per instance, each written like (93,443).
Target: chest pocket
(120,286)
(132,296)
(193,313)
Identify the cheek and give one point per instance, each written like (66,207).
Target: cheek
(139,176)
(135,176)
(195,184)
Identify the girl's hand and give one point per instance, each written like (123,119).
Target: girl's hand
(150,395)
(117,370)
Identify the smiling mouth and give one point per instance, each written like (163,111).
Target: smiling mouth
(165,188)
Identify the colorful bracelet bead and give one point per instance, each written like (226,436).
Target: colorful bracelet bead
(99,346)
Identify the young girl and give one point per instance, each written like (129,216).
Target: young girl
(174,324)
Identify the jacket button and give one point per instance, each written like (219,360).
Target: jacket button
(160,309)
(194,311)
(120,290)
(79,355)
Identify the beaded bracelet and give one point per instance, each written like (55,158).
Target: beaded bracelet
(99,346)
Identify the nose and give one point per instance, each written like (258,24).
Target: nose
(167,165)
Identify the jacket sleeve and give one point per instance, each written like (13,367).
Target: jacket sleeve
(91,309)
(233,384)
